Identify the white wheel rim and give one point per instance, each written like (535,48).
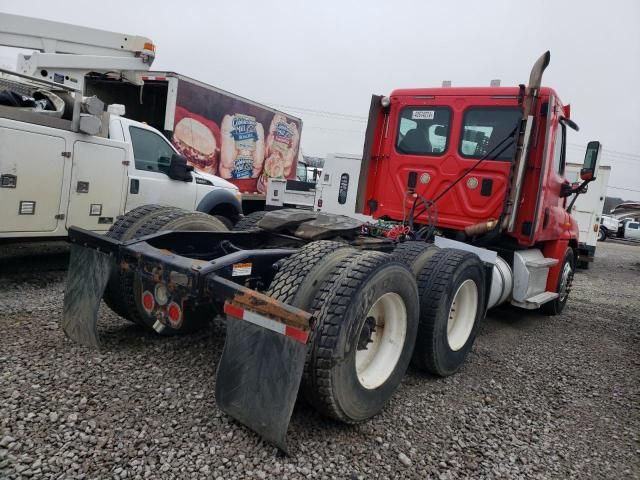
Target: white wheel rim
(462,314)
(376,363)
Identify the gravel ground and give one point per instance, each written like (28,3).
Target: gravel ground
(539,397)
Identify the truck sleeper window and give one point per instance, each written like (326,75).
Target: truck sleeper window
(423,130)
(150,151)
(484,128)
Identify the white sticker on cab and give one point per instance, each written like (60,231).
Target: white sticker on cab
(241,270)
(422,115)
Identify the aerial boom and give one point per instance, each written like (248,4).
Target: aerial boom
(71,51)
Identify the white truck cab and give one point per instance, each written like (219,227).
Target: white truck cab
(149,180)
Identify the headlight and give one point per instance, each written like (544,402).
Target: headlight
(385,102)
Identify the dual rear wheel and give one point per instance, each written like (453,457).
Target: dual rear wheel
(373,318)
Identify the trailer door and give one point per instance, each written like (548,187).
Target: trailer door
(31,180)
(98,179)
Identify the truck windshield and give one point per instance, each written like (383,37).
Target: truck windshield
(484,128)
(423,130)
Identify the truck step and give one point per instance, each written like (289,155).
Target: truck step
(536,301)
(542,263)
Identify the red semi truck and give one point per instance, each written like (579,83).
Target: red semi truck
(471,185)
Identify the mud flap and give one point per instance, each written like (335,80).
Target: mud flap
(87,278)
(259,375)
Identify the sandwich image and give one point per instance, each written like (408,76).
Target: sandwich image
(198,139)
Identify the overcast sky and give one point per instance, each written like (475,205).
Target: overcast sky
(316,59)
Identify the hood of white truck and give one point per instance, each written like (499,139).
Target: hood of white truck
(214,180)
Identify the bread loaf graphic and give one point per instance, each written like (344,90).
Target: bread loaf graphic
(281,150)
(242,150)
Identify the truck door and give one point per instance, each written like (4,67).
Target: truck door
(148,180)
(632,230)
(98,179)
(31,180)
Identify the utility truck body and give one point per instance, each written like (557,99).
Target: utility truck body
(588,212)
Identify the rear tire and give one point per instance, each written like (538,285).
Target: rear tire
(452,296)
(563,287)
(249,222)
(125,228)
(368,296)
(175,219)
(602,234)
(415,254)
(227,222)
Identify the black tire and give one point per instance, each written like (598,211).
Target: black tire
(125,228)
(556,306)
(249,222)
(130,285)
(341,307)
(226,221)
(602,234)
(415,254)
(299,276)
(438,283)
(299,279)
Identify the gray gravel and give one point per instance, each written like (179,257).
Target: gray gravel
(539,397)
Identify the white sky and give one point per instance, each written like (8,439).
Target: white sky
(330,56)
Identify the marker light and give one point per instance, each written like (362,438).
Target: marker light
(147,301)
(174,313)
(385,102)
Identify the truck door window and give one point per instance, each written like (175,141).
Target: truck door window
(423,130)
(301,172)
(559,150)
(484,131)
(151,152)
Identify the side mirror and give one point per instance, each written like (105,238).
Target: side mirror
(591,161)
(179,170)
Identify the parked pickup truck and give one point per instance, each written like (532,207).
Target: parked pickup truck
(53,175)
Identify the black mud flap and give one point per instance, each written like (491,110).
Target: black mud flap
(258,378)
(87,278)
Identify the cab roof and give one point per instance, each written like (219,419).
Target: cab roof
(465,91)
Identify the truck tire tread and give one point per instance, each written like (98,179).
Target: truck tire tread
(250,221)
(330,304)
(434,285)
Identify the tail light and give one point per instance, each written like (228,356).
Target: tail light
(147,301)
(174,312)
(596,227)
(319,203)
